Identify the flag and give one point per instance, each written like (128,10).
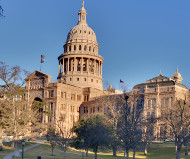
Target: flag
(121,81)
(42,58)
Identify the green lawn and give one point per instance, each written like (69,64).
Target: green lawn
(157,152)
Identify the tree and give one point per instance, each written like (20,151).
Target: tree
(94,130)
(1,11)
(114,105)
(52,138)
(16,116)
(130,123)
(177,118)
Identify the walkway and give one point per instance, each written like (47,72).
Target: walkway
(9,156)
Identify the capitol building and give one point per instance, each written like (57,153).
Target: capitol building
(80,82)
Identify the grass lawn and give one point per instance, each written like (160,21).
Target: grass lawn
(44,150)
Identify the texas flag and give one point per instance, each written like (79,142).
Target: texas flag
(121,81)
(42,58)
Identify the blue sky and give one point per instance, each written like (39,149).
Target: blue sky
(137,38)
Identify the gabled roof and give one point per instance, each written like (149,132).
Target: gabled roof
(37,74)
(160,77)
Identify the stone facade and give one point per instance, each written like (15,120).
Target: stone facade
(79,90)
(79,77)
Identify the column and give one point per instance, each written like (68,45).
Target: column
(63,72)
(98,68)
(94,66)
(75,64)
(101,68)
(87,65)
(68,65)
(59,67)
(81,68)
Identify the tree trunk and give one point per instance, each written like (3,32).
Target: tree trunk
(127,152)
(114,150)
(1,144)
(178,155)
(134,151)
(146,149)
(95,154)
(52,150)
(16,153)
(86,152)
(186,149)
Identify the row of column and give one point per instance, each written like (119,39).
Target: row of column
(67,65)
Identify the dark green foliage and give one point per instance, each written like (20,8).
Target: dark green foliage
(95,131)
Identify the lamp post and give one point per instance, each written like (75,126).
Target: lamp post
(23,143)
(82,148)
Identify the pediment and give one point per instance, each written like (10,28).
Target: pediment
(159,78)
(38,75)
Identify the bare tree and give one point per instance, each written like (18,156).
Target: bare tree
(130,130)
(1,11)
(177,118)
(16,117)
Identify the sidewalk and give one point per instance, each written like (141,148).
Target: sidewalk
(9,156)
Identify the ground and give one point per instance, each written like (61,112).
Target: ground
(161,151)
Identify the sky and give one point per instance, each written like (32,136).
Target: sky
(137,38)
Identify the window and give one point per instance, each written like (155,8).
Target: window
(149,103)
(79,47)
(51,93)
(86,98)
(72,96)
(85,109)
(61,94)
(91,80)
(85,48)
(93,109)
(90,48)
(77,79)
(70,79)
(78,97)
(69,48)
(84,79)
(154,103)
(62,117)
(153,114)
(75,47)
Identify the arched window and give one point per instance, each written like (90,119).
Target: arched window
(85,48)
(75,47)
(79,47)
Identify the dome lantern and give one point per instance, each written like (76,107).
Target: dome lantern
(177,76)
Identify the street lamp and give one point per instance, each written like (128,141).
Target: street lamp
(23,143)
(82,148)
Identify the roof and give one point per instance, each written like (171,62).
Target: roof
(159,80)
(38,74)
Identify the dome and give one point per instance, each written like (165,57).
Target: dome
(82,32)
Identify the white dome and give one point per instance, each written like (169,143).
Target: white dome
(81,33)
